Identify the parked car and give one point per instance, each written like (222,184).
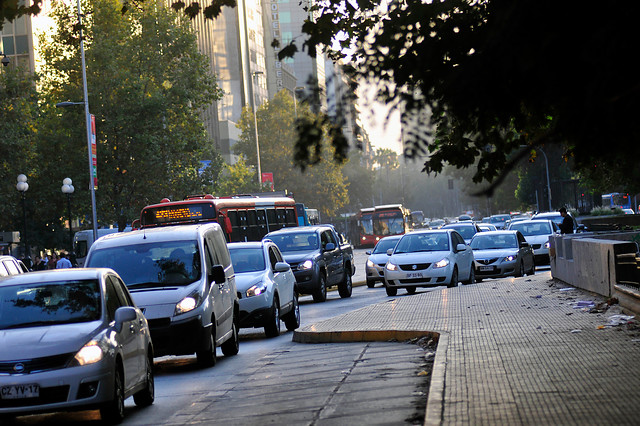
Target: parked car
(182,278)
(378,258)
(557,218)
(537,233)
(426,259)
(266,287)
(500,254)
(467,229)
(72,339)
(318,257)
(9,265)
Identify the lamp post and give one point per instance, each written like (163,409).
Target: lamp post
(22,187)
(546,166)
(255,123)
(87,117)
(67,188)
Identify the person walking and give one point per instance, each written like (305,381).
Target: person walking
(63,263)
(566,227)
(39,264)
(53,260)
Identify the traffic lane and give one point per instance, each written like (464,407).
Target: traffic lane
(177,379)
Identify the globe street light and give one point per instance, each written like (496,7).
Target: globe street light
(22,187)
(67,188)
(255,123)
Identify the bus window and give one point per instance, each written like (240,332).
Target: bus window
(243,228)
(272,220)
(262,223)
(253,232)
(235,225)
(290,217)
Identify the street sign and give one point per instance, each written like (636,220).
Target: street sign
(94,153)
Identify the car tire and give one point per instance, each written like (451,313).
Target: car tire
(532,271)
(320,294)
(520,271)
(472,277)
(346,287)
(272,326)
(391,291)
(112,412)
(454,278)
(207,355)
(146,396)
(371,283)
(232,345)
(411,290)
(292,319)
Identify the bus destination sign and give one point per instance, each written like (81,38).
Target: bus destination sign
(178,213)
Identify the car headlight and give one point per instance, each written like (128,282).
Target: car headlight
(89,354)
(187,304)
(547,245)
(370,264)
(391,266)
(510,258)
(307,264)
(257,289)
(442,263)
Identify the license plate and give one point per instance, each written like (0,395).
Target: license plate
(20,391)
(414,275)
(486,268)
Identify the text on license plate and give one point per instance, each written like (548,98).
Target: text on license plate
(486,268)
(20,391)
(414,275)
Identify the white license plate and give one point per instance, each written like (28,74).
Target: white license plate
(486,268)
(414,275)
(20,391)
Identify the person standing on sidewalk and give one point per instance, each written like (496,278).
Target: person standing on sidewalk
(63,263)
(566,227)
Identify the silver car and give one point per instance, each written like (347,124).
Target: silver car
(427,259)
(72,339)
(537,234)
(378,257)
(266,287)
(500,254)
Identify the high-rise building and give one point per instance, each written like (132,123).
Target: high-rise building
(16,42)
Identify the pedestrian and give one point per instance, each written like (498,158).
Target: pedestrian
(53,260)
(63,263)
(39,264)
(566,227)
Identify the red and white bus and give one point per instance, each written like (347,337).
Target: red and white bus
(243,218)
(381,221)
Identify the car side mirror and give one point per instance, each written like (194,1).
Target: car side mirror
(368,252)
(281,267)
(124,314)
(525,244)
(217,275)
(461,247)
(329,247)
(389,252)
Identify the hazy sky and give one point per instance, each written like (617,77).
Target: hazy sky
(383,133)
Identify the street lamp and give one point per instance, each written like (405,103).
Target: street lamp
(87,117)
(22,187)
(255,122)
(546,166)
(67,188)
(5,61)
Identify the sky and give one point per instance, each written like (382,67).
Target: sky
(382,133)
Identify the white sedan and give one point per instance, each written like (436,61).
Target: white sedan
(428,258)
(537,234)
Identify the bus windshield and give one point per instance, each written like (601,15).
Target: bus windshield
(388,223)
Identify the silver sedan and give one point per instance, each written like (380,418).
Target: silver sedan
(500,254)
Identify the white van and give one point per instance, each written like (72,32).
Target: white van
(182,279)
(82,241)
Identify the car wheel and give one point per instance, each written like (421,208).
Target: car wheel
(292,319)
(207,355)
(411,290)
(454,278)
(520,271)
(113,411)
(371,283)
(320,294)
(391,291)
(346,287)
(232,346)
(145,397)
(472,276)
(532,271)
(272,326)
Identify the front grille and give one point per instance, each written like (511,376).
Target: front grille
(36,365)
(487,261)
(159,322)
(418,266)
(50,395)
(415,280)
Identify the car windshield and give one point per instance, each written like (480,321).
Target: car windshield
(152,264)
(247,259)
(530,229)
(384,245)
(298,241)
(43,304)
(423,242)
(489,242)
(467,232)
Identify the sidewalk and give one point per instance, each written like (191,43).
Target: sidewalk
(511,351)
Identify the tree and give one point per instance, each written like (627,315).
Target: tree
(147,84)
(237,178)
(322,184)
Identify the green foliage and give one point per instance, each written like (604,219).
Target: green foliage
(235,179)
(605,211)
(147,83)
